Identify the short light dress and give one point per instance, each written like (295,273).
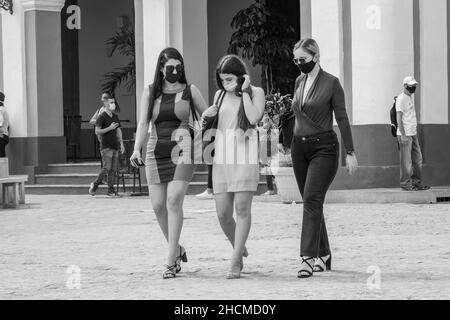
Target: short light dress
(165,159)
(238,170)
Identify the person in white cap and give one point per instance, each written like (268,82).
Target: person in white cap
(410,154)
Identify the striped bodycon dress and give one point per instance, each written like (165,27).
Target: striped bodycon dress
(165,161)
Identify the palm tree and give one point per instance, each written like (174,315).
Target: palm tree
(123,43)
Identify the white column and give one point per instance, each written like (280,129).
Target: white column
(176,30)
(14,69)
(433,62)
(151,38)
(326,30)
(1,55)
(180,24)
(305,18)
(32,68)
(383,54)
(188,30)
(195,43)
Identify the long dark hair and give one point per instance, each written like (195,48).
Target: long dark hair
(232,64)
(156,89)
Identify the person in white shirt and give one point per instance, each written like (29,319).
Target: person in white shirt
(410,153)
(4,127)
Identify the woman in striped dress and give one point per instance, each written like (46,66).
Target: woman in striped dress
(169,106)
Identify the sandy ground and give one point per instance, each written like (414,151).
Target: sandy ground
(79,247)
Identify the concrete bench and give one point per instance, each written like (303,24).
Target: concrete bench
(13,191)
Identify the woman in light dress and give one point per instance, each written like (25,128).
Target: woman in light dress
(236,161)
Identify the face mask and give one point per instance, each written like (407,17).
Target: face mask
(411,90)
(170,76)
(307,67)
(231,87)
(112,107)
(173,78)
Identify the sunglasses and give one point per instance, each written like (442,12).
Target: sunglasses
(299,61)
(171,69)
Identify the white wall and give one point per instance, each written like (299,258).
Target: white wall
(383,54)
(434,62)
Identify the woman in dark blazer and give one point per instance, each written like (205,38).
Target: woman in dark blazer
(315,150)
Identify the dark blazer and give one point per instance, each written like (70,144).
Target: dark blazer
(315,116)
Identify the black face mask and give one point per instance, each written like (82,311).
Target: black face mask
(170,76)
(173,78)
(307,67)
(411,90)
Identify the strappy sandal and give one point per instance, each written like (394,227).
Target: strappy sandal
(322,264)
(170,272)
(181,258)
(307,269)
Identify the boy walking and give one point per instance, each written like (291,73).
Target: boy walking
(410,154)
(108,129)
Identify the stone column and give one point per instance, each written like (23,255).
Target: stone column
(181,24)
(305,18)
(188,30)
(327,25)
(326,30)
(32,75)
(152,36)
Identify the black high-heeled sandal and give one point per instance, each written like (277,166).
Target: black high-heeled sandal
(322,264)
(170,272)
(181,258)
(307,269)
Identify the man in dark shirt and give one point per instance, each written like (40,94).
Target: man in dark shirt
(111,143)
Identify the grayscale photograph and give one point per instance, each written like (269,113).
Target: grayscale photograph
(246,152)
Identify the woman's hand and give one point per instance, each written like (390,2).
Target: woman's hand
(211,112)
(246,83)
(352,164)
(136,159)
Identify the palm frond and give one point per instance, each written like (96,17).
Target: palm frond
(123,43)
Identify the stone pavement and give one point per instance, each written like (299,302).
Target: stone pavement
(80,247)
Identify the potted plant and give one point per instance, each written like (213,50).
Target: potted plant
(278,109)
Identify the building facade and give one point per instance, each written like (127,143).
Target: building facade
(52,60)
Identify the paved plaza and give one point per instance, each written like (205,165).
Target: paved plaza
(81,247)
